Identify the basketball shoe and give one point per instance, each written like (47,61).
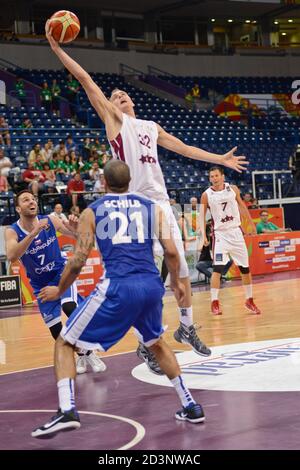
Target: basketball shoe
(93,360)
(187,334)
(250,305)
(216,308)
(193,413)
(62,421)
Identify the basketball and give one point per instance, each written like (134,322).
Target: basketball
(65,26)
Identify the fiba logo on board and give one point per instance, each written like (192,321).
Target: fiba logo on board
(262,366)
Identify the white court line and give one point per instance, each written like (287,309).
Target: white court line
(140,430)
(52,365)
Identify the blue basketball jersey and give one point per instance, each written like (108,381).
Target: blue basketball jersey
(124,234)
(42,259)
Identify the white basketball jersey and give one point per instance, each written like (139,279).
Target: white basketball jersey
(136,145)
(224,208)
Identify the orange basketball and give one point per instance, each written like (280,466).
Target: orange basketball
(65,26)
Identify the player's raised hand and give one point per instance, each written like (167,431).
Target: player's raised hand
(48,294)
(54,44)
(237,163)
(42,225)
(72,223)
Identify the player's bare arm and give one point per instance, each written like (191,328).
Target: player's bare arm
(15,249)
(68,227)
(203,210)
(85,242)
(107,112)
(163,233)
(168,141)
(243,210)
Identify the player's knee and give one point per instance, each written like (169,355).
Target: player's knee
(244,270)
(218,268)
(69,307)
(55,330)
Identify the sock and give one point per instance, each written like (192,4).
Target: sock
(66,394)
(183,392)
(214,294)
(248,291)
(186,315)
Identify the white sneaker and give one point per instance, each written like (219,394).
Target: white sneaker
(81,365)
(95,362)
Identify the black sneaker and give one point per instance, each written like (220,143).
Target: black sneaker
(193,413)
(62,421)
(188,335)
(148,357)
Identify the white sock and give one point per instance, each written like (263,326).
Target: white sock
(214,294)
(186,315)
(183,392)
(66,395)
(248,291)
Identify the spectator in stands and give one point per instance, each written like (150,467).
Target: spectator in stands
(55,165)
(49,174)
(95,172)
(47,151)
(5,163)
(36,150)
(55,91)
(72,93)
(39,162)
(254,204)
(247,199)
(3,183)
(20,90)
(61,146)
(34,178)
(70,144)
(4,132)
(86,151)
(267,227)
(58,212)
(102,149)
(26,126)
(68,166)
(99,185)
(75,210)
(80,164)
(46,97)
(75,186)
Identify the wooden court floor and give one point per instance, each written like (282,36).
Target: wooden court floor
(28,343)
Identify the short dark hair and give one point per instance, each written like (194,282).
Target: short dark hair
(117,175)
(20,194)
(216,168)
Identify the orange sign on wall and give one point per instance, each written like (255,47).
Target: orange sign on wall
(271,253)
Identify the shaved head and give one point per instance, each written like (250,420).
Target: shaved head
(117,176)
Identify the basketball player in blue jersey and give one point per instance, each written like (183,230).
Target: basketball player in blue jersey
(33,240)
(129,294)
(136,141)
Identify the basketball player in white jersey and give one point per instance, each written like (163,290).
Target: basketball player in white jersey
(226,207)
(135,141)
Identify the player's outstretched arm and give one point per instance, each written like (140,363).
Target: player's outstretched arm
(98,100)
(68,228)
(168,141)
(85,242)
